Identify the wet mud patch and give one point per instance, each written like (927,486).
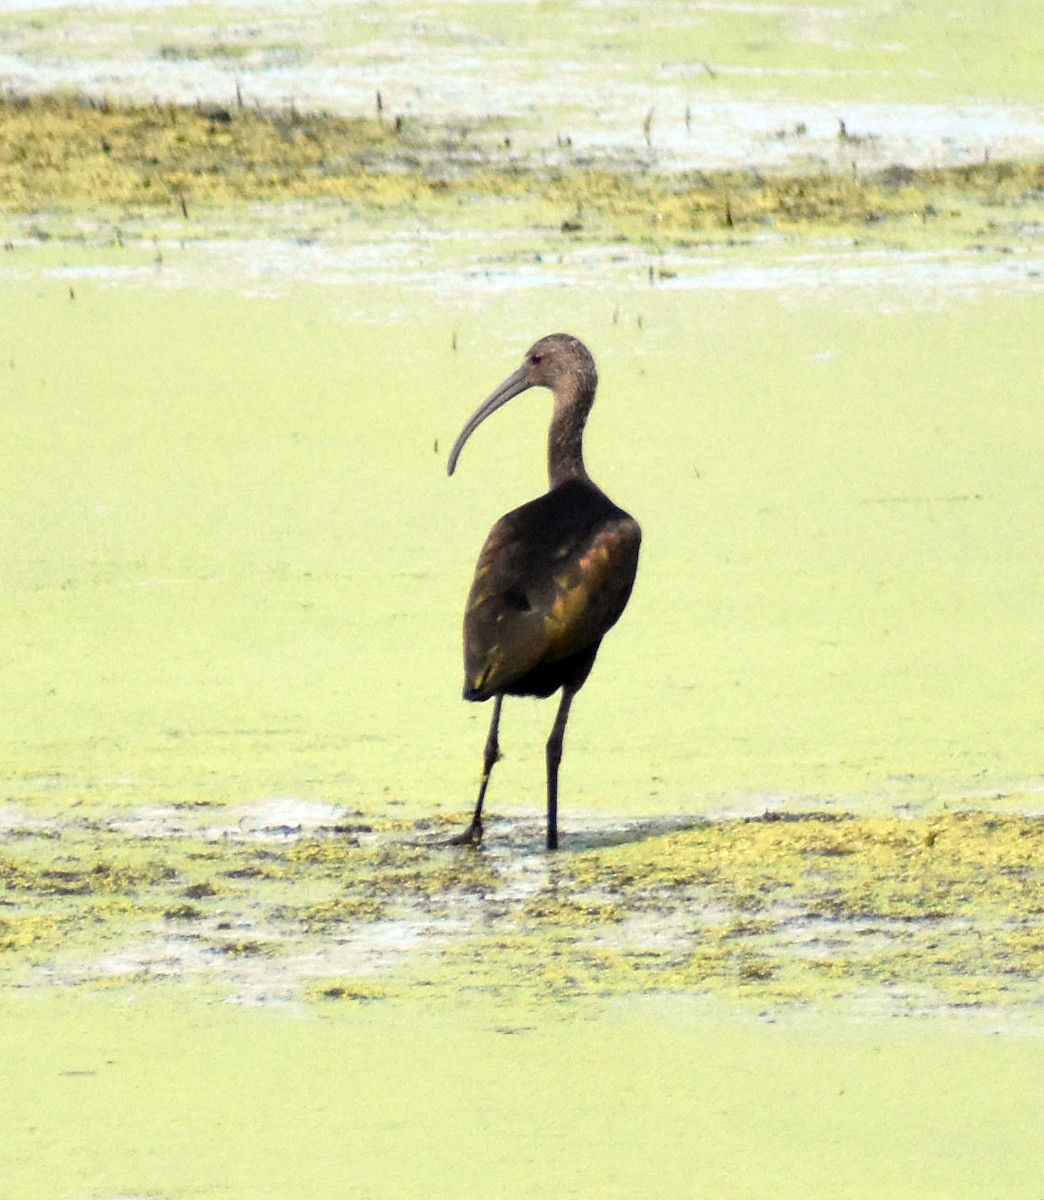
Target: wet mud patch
(62,152)
(881,914)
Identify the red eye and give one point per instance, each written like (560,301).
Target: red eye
(535,358)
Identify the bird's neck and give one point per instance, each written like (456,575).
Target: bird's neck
(565,442)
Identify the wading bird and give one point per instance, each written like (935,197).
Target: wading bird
(554,575)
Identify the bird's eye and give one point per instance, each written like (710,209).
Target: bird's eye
(535,359)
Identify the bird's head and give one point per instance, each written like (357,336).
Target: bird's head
(560,362)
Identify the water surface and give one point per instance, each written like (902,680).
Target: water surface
(232,570)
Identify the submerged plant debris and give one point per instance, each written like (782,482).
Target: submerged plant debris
(907,915)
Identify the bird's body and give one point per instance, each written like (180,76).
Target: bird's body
(550,582)
(553,576)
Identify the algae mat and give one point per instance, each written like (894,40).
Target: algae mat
(234,566)
(428,1101)
(232,569)
(776,914)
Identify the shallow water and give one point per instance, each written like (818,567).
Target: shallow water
(232,570)
(435,1101)
(227,517)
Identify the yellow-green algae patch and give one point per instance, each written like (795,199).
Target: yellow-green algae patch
(887,913)
(63,152)
(827,904)
(900,914)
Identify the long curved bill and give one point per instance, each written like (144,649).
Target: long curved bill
(508,390)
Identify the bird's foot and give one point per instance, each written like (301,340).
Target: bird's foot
(472,836)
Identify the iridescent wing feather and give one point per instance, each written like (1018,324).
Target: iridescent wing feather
(552,579)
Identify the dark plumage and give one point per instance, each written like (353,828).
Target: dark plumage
(554,575)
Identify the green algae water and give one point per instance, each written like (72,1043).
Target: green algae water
(235,565)
(417,1101)
(792,944)
(233,569)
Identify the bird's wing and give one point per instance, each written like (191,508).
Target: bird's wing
(536,605)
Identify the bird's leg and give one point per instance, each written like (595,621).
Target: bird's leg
(554,757)
(472,836)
